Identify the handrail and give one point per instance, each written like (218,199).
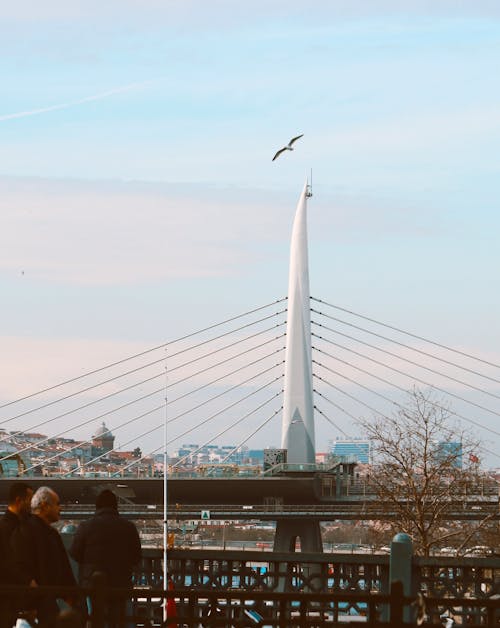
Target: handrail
(292,609)
(367,507)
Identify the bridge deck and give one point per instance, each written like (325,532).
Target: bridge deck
(237,498)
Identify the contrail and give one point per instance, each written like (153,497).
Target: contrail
(73,103)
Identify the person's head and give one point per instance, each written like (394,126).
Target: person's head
(106,499)
(20,495)
(45,504)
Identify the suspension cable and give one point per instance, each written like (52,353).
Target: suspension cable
(335,405)
(108,431)
(190,430)
(62,453)
(178,417)
(476,423)
(161,389)
(112,379)
(413,377)
(241,368)
(401,344)
(212,438)
(247,438)
(330,421)
(402,331)
(34,445)
(322,379)
(90,403)
(162,346)
(208,368)
(70,429)
(373,410)
(400,357)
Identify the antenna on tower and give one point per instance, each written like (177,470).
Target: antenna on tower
(309,191)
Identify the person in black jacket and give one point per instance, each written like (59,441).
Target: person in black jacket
(110,545)
(18,508)
(39,553)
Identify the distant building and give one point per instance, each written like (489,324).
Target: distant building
(451,451)
(193,454)
(273,457)
(103,440)
(12,465)
(33,437)
(255,456)
(356,448)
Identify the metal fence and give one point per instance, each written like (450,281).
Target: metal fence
(245,589)
(244,609)
(465,589)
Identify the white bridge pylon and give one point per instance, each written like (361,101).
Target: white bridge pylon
(298,407)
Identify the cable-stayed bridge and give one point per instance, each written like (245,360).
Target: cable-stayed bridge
(298,361)
(226,382)
(314,496)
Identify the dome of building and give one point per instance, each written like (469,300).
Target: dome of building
(103,440)
(103,431)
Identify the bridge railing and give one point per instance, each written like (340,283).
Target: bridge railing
(483,487)
(234,588)
(440,579)
(143,607)
(344,509)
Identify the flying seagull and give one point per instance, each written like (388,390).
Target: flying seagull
(289,147)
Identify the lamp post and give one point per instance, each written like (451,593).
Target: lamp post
(165,493)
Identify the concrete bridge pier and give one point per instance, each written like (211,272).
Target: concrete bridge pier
(285,540)
(290,530)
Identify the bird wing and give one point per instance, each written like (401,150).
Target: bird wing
(281,150)
(294,139)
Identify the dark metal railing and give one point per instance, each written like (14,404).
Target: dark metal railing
(347,510)
(244,609)
(465,588)
(252,588)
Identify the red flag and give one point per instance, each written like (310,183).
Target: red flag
(171,607)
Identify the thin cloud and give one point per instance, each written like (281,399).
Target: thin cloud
(74,103)
(195,234)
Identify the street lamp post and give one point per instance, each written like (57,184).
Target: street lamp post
(165,494)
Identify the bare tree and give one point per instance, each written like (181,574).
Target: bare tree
(422,470)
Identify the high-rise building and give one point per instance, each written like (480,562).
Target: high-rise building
(355,448)
(452,451)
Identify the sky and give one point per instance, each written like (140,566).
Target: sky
(139,202)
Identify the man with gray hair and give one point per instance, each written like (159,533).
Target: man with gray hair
(40,554)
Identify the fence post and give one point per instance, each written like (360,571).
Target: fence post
(400,569)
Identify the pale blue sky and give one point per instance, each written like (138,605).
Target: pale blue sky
(138,196)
